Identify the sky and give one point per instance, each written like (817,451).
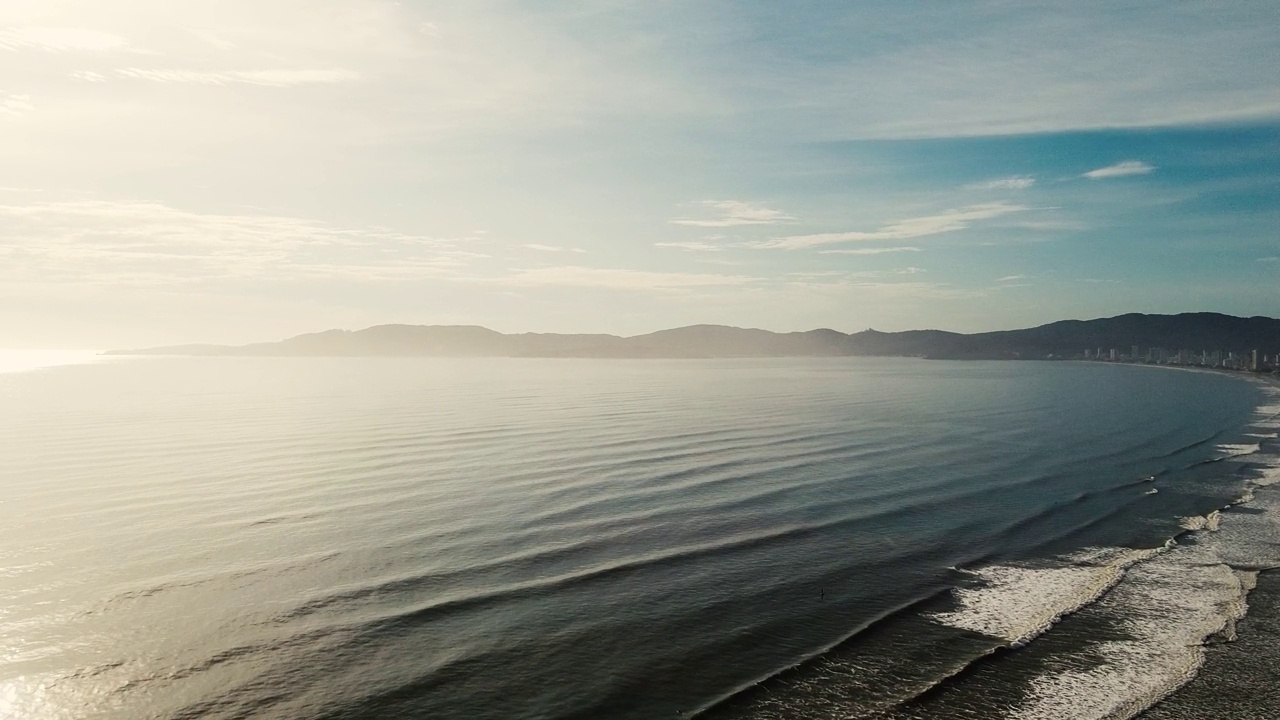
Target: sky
(235,171)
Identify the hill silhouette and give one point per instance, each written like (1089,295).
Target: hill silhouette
(1064,339)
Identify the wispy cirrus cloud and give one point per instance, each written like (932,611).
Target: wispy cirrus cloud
(859,274)
(733,213)
(865,285)
(89,76)
(944,222)
(14,105)
(268,78)
(60,39)
(1121,169)
(147,245)
(691,246)
(871,251)
(552,248)
(620,278)
(1016,182)
(1011,278)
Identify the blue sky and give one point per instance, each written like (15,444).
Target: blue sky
(246,170)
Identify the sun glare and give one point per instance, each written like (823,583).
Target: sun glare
(23,360)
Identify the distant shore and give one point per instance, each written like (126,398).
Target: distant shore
(1208,335)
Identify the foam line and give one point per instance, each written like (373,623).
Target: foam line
(1019,602)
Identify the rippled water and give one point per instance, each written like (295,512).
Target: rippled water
(325,538)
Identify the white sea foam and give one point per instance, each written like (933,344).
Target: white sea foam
(1269,476)
(1018,602)
(1168,606)
(1208,522)
(1268,416)
(1229,450)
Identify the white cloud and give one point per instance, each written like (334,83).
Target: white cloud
(89,76)
(691,246)
(1018,68)
(864,284)
(620,279)
(1128,167)
(870,251)
(14,105)
(552,248)
(149,245)
(948,221)
(863,274)
(56,39)
(270,78)
(1269,259)
(1011,278)
(1016,182)
(732,213)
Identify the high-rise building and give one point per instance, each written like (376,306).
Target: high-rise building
(1134,355)
(1253,361)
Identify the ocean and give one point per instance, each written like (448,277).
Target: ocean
(580,539)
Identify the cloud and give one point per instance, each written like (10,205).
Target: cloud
(1128,167)
(1016,182)
(620,279)
(152,245)
(691,246)
(1269,259)
(14,105)
(552,248)
(948,221)
(1012,71)
(1011,278)
(733,213)
(869,251)
(55,39)
(864,285)
(269,78)
(89,76)
(885,273)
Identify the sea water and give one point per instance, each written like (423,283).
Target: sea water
(516,538)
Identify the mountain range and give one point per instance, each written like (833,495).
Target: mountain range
(1064,339)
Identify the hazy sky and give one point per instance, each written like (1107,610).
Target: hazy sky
(242,170)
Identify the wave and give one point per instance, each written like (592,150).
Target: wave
(1233,450)
(1166,602)
(1168,608)
(1210,522)
(1020,602)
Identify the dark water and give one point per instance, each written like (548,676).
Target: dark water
(369,538)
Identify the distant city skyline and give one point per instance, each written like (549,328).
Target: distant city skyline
(241,173)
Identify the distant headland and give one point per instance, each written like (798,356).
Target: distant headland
(1209,339)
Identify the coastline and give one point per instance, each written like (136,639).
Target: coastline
(1236,679)
(1200,583)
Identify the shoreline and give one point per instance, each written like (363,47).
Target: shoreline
(1136,692)
(1234,678)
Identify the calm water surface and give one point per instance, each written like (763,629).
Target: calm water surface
(368,538)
